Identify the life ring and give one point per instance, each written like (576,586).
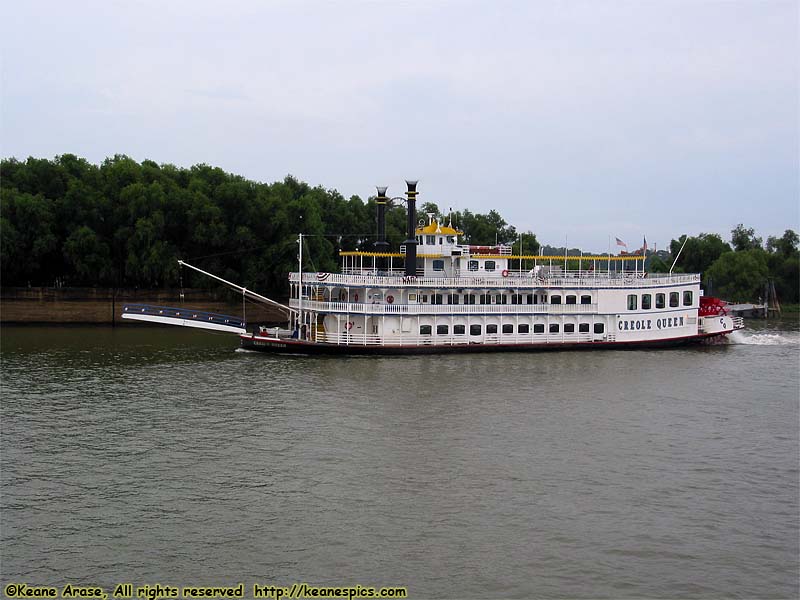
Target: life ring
(389,299)
(348,325)
(342,295)
(355,297)
(505,273)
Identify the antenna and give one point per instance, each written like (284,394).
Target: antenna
(677,256)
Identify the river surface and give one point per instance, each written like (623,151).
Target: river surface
(148,455)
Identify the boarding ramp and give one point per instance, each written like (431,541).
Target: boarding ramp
(183,317)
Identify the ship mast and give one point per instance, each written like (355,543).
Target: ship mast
(300,295)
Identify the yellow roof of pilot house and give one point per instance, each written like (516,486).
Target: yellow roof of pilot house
(433,227)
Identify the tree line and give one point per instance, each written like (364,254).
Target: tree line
(67,222)
(738,271)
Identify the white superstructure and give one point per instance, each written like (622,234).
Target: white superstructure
(467,295)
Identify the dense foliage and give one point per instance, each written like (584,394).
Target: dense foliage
(741,273)
(125,224)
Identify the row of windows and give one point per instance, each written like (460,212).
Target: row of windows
(472,265)
(500,299)
(509,328)
(430,240)
(674,298)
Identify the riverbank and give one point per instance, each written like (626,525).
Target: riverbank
(103,306)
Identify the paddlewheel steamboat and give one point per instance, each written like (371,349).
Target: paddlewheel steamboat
(436,294)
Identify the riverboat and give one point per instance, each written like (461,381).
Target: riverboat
(436,294)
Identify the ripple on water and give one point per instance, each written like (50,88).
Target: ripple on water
(174,458)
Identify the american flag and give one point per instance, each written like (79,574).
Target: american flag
(621,243)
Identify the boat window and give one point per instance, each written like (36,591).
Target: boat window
(599,328)
(452,298)
(632,301)
(524,328)
(586,299)
(436,299)
(516,298)
(571,300)
(489,265)
(569,327)
(501,299)
(531,299)
(538,328)
(646,300)
(486,298)
(508,328)
(687,298)
(451,239)
(660,301)
(424,329)
(438,265)
(474,329)
(442,329)
(583,328)
(469,298)
(423,298)
(441,240)
(491,329)
(472,265)
(459,329)
(553,327)
(555,299)
(673,299)
(430,239)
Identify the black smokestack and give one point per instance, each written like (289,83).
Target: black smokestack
(381,245)
(411,242)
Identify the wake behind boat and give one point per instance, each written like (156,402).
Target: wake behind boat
(435,294)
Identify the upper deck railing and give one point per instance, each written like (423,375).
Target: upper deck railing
(443,309)
(568,279)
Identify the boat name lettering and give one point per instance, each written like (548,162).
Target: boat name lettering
(645,324)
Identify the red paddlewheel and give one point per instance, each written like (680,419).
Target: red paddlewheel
(711,307)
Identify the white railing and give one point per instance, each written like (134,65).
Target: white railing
(438,309)
(513,280)
(361,339)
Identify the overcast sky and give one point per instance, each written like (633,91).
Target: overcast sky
(578,119)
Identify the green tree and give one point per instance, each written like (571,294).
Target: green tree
(785,245)
(784,265)
(699,252)
(744,238)
(89,256)
(740,276)
(485,230)
(656,265)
